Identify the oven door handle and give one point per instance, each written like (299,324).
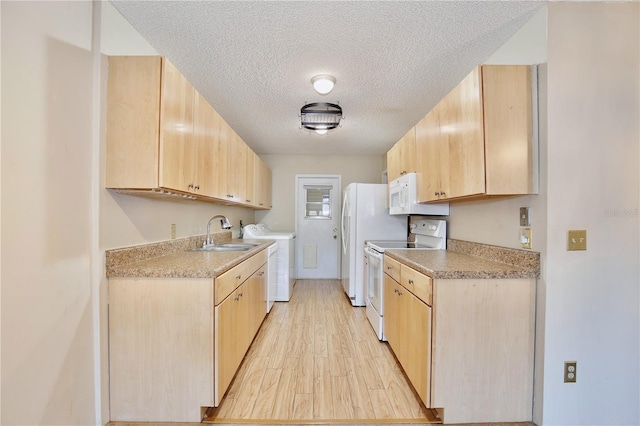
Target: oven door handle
(374,253)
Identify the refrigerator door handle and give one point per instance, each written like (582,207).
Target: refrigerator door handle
(345,202)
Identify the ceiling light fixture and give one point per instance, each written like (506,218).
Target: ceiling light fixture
(320,116)
(323,83)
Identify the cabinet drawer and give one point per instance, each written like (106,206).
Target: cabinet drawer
(230,280)
(418,283)
(392,268)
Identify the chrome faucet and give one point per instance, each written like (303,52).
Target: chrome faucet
(224,223)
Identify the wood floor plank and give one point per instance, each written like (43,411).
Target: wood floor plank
(322,403)
(341,397)
(361,402)
(250,389)
(263,408)
(303,406)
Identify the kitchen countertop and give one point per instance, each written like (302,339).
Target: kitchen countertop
(450,264)
(187,264)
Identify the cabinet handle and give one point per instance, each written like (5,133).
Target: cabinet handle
(410,281)
(261,204)
(248,201)
(238,276)
(389,268)
(261,273)
(197,186)
(229,196)
(190,185)
(436,193)
(240,295)
(236,298)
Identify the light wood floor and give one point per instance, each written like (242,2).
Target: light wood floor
(317,359)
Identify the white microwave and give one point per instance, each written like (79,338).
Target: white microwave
(403,195)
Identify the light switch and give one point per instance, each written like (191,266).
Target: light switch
(525,219)
(577,240)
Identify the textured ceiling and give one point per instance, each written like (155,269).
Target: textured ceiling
(393,60)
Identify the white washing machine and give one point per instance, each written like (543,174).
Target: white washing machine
(284,257)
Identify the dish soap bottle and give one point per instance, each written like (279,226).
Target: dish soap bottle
(241,230)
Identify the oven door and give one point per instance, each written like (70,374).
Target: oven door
(374,287)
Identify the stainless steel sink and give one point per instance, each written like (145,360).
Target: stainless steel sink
(225,247)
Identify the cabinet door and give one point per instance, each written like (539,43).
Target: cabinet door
(176,130)
(392,316)
(257,296)
(432,153)
(508,129)
(237,164)
(221,155)
(250,190)
(204,134)
(262,184)
(230,322)
(133,121)
(393,162)
(462,122)
(416,329)
(408,152)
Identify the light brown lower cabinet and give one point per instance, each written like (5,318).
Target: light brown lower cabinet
(466,345)
(176,343)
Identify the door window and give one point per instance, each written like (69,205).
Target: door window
(318,202)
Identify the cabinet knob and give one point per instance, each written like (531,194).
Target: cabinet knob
(197,186)
(190,185)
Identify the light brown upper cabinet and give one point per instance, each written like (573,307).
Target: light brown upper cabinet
(479,141)
(401,158)
(150,141)
(164,137)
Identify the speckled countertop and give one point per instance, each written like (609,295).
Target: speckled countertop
(468,260)
(161,260)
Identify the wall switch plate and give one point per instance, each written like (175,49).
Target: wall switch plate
(525,219)
(577,240)
(173,231)
(570,368)
(525,238)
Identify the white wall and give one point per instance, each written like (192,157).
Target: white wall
(47,312)
(587,301)
(365,169)
(592,297)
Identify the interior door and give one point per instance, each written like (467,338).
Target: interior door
(318,212)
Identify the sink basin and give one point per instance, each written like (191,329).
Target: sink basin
(225,247)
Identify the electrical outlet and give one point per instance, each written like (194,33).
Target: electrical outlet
(173,231)
(570,368)
(525,238)
(577,240)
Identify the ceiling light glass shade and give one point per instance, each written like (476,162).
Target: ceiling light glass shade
(323,83)
(322,131)
(320,116)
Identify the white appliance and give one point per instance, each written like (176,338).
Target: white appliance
(365,216)
(428,235)
(403,198)
(272,275)
(285,258)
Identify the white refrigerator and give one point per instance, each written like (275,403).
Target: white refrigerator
(365,216)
